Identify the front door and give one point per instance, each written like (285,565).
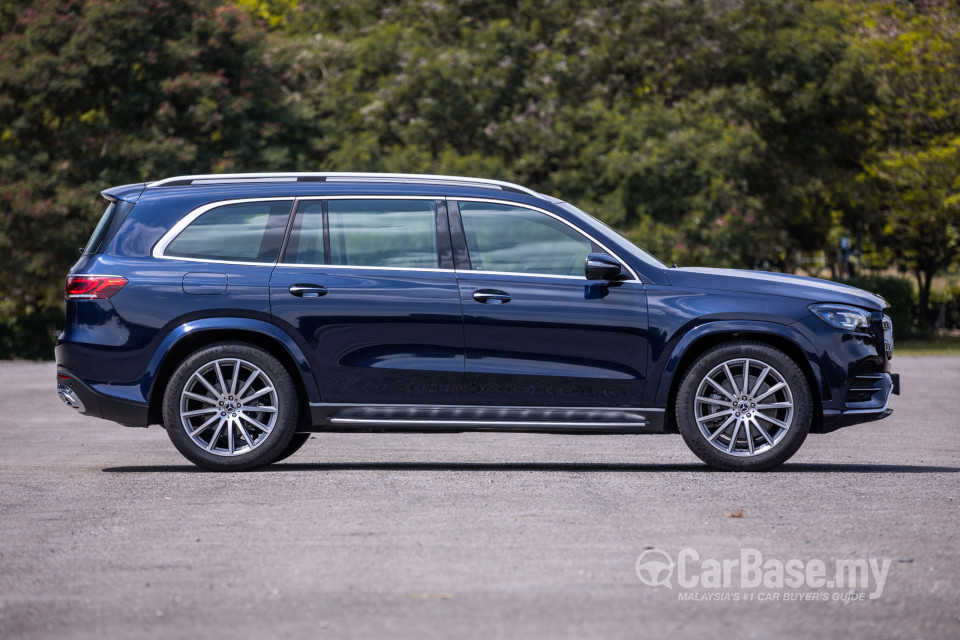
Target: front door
(537,332)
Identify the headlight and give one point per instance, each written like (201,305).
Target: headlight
(841,316)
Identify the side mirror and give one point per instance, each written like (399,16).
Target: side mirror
(600,266)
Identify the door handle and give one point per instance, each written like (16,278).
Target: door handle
(491,296)
(308,290)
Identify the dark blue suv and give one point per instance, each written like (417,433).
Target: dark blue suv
(245,312)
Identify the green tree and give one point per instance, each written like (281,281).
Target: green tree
(918,189)
(99,93)
(910,184)
(679,122)
(711,131)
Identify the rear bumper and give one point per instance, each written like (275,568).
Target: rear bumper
(887,385)
(77,395)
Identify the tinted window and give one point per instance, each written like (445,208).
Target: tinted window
(111,220)
(244,232)
(383,233)
(306,237)
(518,240)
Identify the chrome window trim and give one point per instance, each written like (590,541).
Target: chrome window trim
(460,273)
(555,216)
(161,246)
(214,261)
(168,237)
(580,279)
(350,266)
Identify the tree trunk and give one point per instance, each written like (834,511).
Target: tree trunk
(924,283)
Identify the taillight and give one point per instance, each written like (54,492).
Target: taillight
(93,287)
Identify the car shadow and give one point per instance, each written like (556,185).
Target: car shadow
(562,467)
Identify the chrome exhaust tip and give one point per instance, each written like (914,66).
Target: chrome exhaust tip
(70,398)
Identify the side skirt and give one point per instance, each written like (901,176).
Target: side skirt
(455,419)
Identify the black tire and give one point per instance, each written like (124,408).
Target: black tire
(298,440)
(231,441)
(752,437)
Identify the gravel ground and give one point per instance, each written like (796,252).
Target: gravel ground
(106,531)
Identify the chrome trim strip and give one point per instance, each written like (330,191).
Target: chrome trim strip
(462,273)
(582,279)
(339,176)
(212,261)
(552,215)
(350,266)
(485,423)
(480,417)
(480,406)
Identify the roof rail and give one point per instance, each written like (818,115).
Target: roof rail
(227,178)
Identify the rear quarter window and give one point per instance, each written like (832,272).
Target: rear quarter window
(106,229)
(240,232)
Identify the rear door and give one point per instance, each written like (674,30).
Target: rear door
(367,286)
(537,332)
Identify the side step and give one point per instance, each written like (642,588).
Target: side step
(430,418)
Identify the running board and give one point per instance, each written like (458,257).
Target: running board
(429,418)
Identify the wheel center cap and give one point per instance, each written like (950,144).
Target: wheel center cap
(743,406)
(230,406)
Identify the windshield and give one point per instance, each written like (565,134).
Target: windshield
(640,252)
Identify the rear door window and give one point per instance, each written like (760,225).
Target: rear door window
(398,234)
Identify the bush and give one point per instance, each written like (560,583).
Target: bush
(899,293)
(30,335)
(945,308)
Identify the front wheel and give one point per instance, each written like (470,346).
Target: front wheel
(298,440)
(744,406)
(230,407)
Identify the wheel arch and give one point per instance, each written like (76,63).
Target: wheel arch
(694,344)
(192,336)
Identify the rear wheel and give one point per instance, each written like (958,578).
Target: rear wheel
(744,406)
(231,407)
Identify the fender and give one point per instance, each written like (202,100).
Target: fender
(793,333)
(192,327)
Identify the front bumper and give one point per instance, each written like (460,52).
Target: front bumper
(867,402)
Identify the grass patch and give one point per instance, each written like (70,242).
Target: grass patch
(933,346)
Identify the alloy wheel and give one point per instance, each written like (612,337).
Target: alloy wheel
(744,407)
(228,407)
